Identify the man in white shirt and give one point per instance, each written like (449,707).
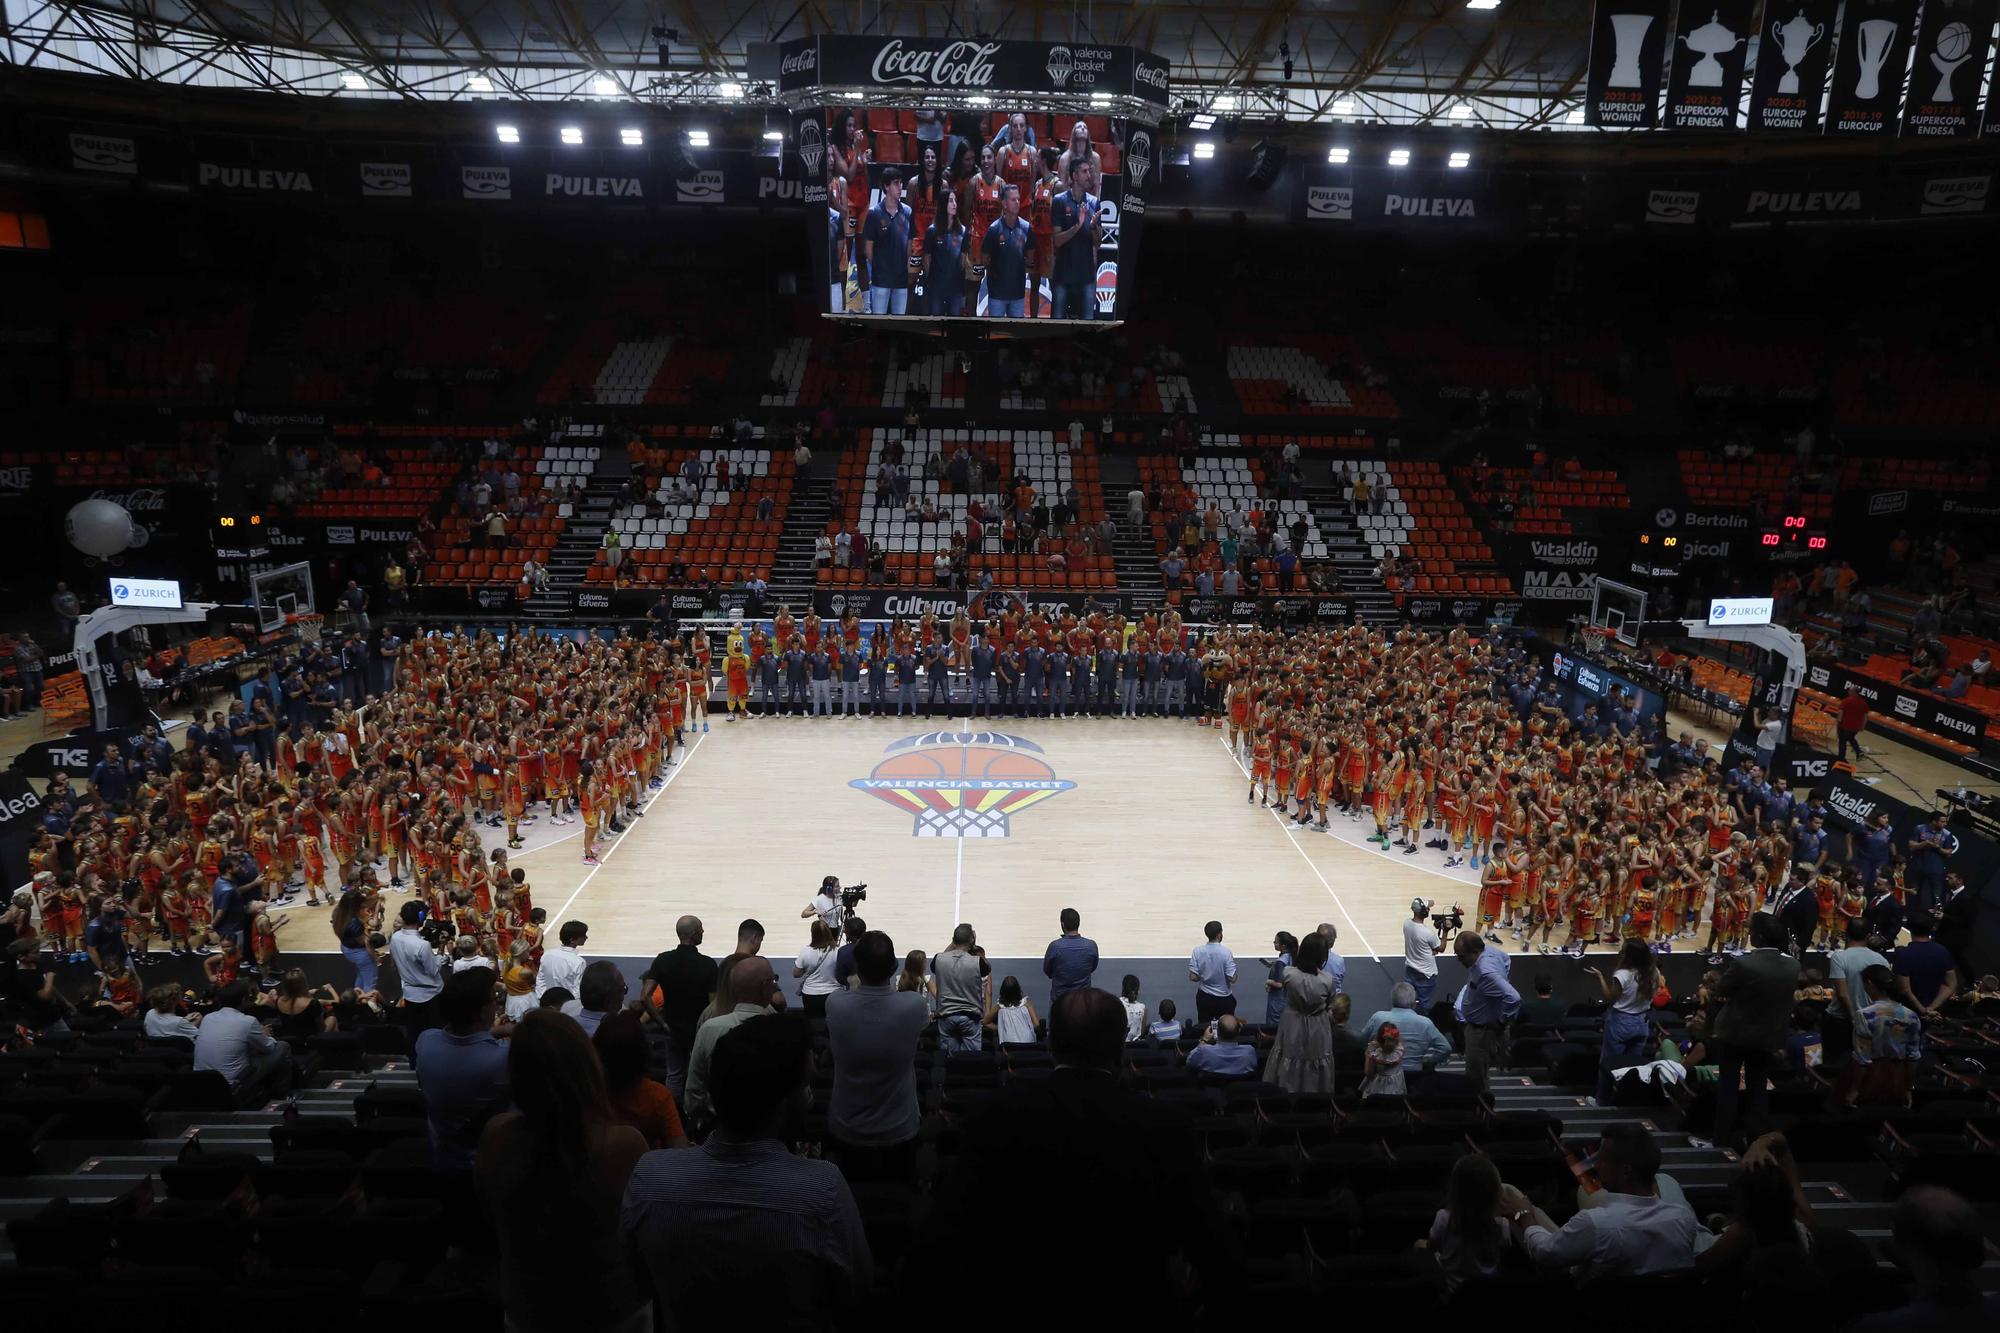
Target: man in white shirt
(235,1045)
(1212,967)
(1632,1233)
(563,965)
(419,968)
(1420,943)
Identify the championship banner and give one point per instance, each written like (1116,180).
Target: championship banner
(1868,67)
(1953,40)
(1628,41)
(958,66)
(1794,39)
(1940,717)
(1705,82)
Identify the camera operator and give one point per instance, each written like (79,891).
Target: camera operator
(825,904)
(1420,946)
(420,968)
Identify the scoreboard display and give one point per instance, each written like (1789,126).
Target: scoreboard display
(1793,538)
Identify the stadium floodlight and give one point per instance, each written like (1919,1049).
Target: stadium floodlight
(604,86)
(1459,161)
(1226,102)
(507,133)
(632,137)
(697,138)
(1204,121)
(1461,111)
(977,99)
(572,134)
(729,92)
(1204,150)
(353,82)
(1100,99)
(1337,156)
(1482,4)
(478,83)
(1343,106)
(774,136)
(1399,157)
(1576,115)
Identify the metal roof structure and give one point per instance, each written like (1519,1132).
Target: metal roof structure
(1519,64)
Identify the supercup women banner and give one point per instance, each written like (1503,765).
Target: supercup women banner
(1627,40)
(1867,92)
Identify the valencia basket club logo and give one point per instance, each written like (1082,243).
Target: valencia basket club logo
(962,784)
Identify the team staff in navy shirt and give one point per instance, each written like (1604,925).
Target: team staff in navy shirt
(885,249)
(945,266)
(1005,250)
(1074,215)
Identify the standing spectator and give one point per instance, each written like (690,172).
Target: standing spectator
(552,1173)
(675,989)
(28,663)
(234,1044)
(753,990)
(1070,960)
(1955,920)
(599,993)
(1853,717)
(354,608)
(418,969)
(1336,965)
(873,1116)
(1931,847)
(1301,1057)
(68,611)
(964,991)
(1755,989)
(1082,1124)
(1629,992)
(1887,1042)
(563,965)
(1487,1005)
(1420,944)
(462,1069)
(713,1225)
(1284,945)
(1925,975)
(813,970)
(643,1103)
(1844,967)
(1212,967)
(1634,1232)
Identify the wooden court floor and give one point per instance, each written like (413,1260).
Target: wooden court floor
(1140,825)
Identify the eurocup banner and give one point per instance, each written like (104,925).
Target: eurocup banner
(1628,42)
(1866,97)
(904,202)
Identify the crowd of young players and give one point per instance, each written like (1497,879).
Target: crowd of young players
(1577,835)
(388,795)
(951,206)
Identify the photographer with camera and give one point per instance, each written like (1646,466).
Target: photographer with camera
(1420,945)
(825,904)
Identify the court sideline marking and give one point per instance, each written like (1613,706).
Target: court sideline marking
(958,884)
(1304,856)
(680,768)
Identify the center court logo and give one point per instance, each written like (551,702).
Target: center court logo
(962,784)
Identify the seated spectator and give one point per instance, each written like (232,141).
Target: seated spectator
(742,1216)
(1025,1153)
(1634,1231)
(1167,1027)
(636,1100)
(1543,1010)
(1942,1242)
(163,1015)
(234,1044)
(601,990)
(1422,1042)
(1135,1011)
(1469,1238)
(1223,1052)
(1013,1019)
(462,1068)
(552,1173)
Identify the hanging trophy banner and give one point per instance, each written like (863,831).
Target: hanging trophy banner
(1795,37)
(1868,67)
(1953,37)
(1628,40)
(1705,81)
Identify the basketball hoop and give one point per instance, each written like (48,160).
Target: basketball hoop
(306,624)
(1594,637)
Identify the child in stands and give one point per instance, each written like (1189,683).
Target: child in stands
(1135,1012)
(1013,1019)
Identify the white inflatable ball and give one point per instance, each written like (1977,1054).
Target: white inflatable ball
(99,527)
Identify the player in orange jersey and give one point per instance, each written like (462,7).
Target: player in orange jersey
(1260,767)
(1041,231)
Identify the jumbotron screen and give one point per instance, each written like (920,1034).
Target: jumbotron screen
(977,213)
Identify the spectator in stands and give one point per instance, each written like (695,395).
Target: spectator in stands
(600,990)
(31,997)
(563,965)
(1420,946)
(1487,1005)
(1212,967)
(1755,989)
(233,1043)
(1544,1010)
(1633,1232)
(163,1015)
(874,1116)
(675,989)
(641,1102)
(1941,1241)
(1887,1042)
(964,981)
(753,990)
(552,1173)
(462,1068)
(1845,967)
(1924,969)
(419,968)
(28,662)
(711,1227)
(496,528)
(1223,1051)
(1301,1057)
(1070,960)
(1627,1031)
(68,611)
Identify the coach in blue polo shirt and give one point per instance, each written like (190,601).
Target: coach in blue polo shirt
(1005,251)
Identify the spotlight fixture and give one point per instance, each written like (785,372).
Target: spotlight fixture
(507,133)
(478,83)
(1461,111)
(1459,161)
(1343,106)
(774,136)
(1204,150)
(1201,121)
(697,138)
(663,43)
(352,82)
(1399,157)
(604,86)
(632,137)
(1576,115)
(572,134)
(1100,99)
(1337,157)
(729,92)
(1482,4)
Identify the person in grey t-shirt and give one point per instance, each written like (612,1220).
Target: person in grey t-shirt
(964,978)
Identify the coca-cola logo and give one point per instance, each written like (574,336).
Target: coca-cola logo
(1153,76)
(953,65)
(145,500)
(803,61)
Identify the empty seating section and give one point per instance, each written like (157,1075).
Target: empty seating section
(936,376)
(186,345)
(1919,390)
(412,481)
(1310,374)
(103,467)
(719,535)
(1914,474)
(910,547)
(1586,376)
(1759,482)
(459,553)
(1460,363)
(1418,515)
(345,351)
(788,373)
(628,372)
(1716,363)
(1553,498)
